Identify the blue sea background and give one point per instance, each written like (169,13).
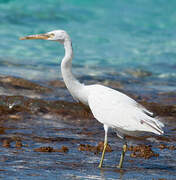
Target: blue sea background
(133,42)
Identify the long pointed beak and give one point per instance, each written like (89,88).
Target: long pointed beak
(37,36)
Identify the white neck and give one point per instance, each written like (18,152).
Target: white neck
(72,84)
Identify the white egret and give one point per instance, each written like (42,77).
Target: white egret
(110,107)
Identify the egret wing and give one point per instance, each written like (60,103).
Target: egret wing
(119,111)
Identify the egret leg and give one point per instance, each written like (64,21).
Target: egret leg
(122,155)
(105,145)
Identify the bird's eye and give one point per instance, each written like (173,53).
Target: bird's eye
(51,35)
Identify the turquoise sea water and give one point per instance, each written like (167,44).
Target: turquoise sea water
(111,39)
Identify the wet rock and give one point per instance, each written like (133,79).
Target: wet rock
(44,149)
(70,110)
(113,84)
(109,83)
(139,73)
(50,139)
(18,144)
(167,97)
(166,139)
(6,143)
(95,149)
(19,83)
(142,151)
(2,130)
(64,149)
(172,147)
(163,146)
(168,94)
(85,131)
(13,105)
(57,84)
(15,117)
(101,146)
(85,147)
(160,109)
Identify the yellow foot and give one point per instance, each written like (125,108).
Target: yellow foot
(119,167)
(99,166)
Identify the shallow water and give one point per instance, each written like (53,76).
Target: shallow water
(49,130)
(28,123)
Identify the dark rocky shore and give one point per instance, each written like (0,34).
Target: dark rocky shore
(42,127)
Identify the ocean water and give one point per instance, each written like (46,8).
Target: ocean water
(118,40)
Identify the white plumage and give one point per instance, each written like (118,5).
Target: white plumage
(110,107)
(118,111)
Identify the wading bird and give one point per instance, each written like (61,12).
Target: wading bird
(110,107)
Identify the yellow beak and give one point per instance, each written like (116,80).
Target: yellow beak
(37,36)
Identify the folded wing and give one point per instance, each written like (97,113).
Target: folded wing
(121,112)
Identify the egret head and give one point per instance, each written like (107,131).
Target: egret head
(56,35)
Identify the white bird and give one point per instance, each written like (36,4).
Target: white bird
(110,107)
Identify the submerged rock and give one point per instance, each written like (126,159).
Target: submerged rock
(15,106)
(44,149)
(139,73)
(95,149)
(163,146)
(64,149)
(18,144)
(142,151)
(113,84)
(57,84)
(160,109)
(6,143)
(20,83)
